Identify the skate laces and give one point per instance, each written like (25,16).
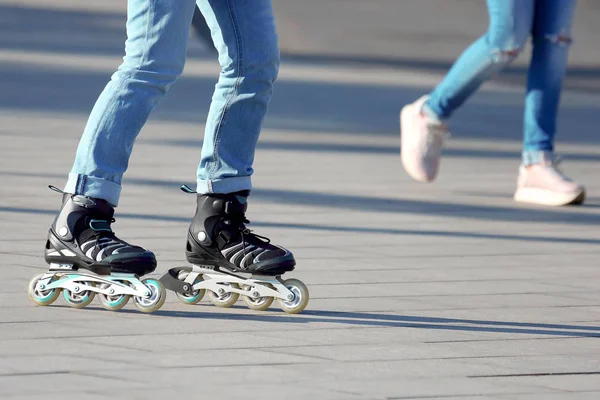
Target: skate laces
(103,234)
(241,221)
(101,230)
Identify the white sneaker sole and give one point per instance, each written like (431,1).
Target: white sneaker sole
(548,198)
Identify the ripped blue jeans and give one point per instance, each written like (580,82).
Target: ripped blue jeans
(512,22)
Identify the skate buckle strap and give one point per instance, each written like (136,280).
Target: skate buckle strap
(223,239)
(100,225)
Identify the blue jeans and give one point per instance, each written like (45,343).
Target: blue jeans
(512,22)
(157,33)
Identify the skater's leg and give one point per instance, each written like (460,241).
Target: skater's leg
(157,34)
(422,127)
(81,235)
(219,245)
(540,181)
(245,36)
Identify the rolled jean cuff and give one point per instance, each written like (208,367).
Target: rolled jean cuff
(91,186)
(225,185)
(531,157)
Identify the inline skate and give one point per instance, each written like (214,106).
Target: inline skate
(87,259)
(228,260)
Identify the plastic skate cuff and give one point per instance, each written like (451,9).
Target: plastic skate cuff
(230,207)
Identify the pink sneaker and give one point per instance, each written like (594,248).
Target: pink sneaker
(421,142)
(545,184)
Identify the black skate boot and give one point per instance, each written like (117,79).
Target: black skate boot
(229,261)
(218,236)
(81,237)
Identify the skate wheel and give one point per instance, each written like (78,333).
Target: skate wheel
(157,297)
(226,299)
(257,304)
(41,297)
(112,303)
(301,297)
(196,295)
(81,299)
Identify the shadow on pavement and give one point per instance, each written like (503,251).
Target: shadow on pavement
(376,320)
(567,218)
(323,147)
(341,108)
(576,75)
(312,106)
(34,28)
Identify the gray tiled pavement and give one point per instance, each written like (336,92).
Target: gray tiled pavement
(418,291)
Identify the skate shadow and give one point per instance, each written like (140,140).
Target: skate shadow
(364,319)
(368,319)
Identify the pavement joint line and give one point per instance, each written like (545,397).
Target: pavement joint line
(508,339)
(482,357)
(66,372)
(112,346)
(285,350)
(95,374)
(15,374)
(466,396)
(538,374)
(249,364)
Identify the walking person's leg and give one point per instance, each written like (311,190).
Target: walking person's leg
(422,122)
(539,180)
